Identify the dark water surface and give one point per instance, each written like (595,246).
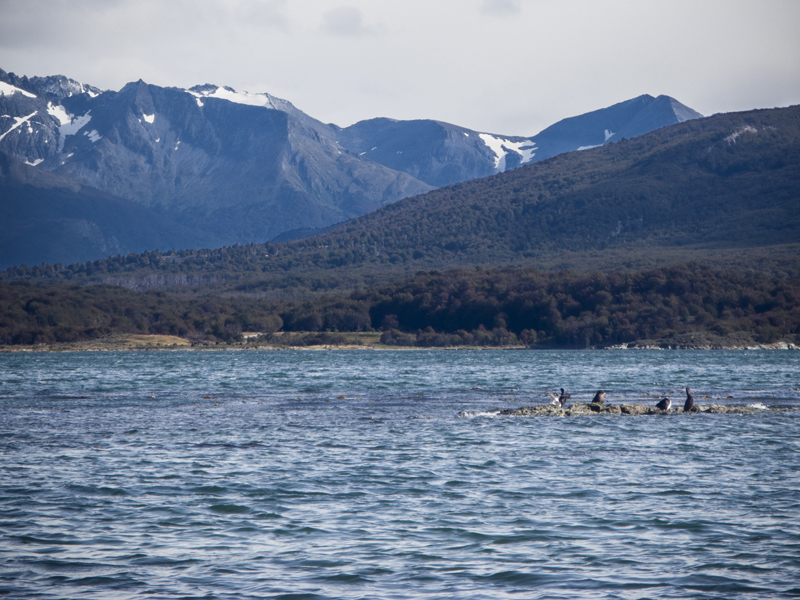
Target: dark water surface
(280,474)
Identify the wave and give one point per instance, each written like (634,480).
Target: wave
(479,413)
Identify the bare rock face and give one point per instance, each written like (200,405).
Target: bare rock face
(579,410)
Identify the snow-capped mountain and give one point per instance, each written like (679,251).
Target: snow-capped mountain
(440,153)
(435,152)
(32,118)
(243,167)
(247,167)
(625,120)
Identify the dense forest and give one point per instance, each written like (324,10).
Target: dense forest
(480,307)
(588,310)
(721,189)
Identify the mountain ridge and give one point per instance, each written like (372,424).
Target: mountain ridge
(453,154)
(242,167)
(219,161)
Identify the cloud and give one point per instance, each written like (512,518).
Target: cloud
(500,8)
(415,59)
(265,14)
(346,21)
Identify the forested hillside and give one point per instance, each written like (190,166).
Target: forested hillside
(725,187)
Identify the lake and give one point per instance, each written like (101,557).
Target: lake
(350,474)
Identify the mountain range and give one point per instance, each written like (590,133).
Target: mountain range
(724,190)
(442,154)
(210,166)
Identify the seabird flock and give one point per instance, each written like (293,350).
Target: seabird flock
(600,398)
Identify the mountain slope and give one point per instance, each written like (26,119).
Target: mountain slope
(243,172)
(45,218)
(441,154)
(624,120)
(435,152)
(730,180)
(33,122)
(243,167)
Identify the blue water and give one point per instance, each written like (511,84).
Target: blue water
(349,474)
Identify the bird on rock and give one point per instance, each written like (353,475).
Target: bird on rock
(664,404)
(599,397)
(562,399)
(689,404)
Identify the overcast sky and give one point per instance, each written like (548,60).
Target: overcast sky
(502,66)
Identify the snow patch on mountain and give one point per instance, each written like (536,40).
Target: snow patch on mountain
(18,121)
(6,89)
(608,134)
(580,148)
(149,118)
(527,149)
(231,95)
(70,125)
(59,113)
(501,147)
(92,135)
(731,139)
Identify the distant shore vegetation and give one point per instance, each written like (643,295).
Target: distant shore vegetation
(683,306)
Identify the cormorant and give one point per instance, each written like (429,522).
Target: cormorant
(689,404)
(562,399)
(599,397)
(664,404)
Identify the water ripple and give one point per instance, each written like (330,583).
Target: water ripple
(349,476)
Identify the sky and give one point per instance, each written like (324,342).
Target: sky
(509,67)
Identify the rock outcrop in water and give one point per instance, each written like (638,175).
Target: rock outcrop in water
(579,409)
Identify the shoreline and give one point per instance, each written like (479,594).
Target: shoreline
(186,345)
(362,341)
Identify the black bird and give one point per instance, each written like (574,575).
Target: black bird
(599,397)
(689,404)
(664,404)
(562,399)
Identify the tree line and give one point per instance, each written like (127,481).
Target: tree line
(479,307)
